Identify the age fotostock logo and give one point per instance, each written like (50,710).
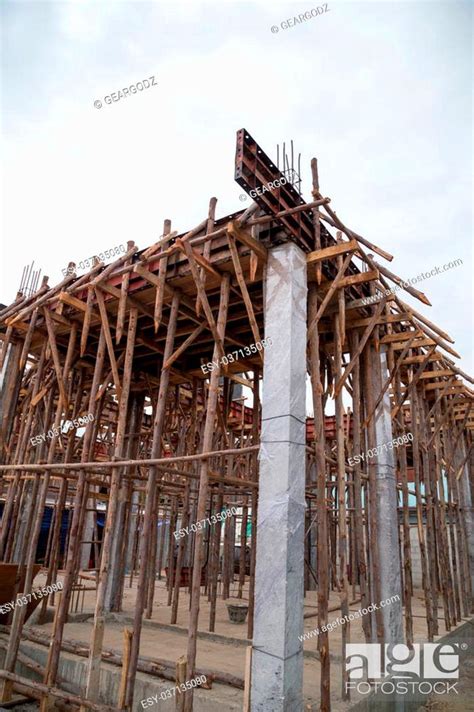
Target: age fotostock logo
(402,670)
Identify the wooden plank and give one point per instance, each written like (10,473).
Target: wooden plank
(399,346)
(400,336)
(146,274)
(436,374)
(436,356)
(383,319)
(245,238)
(361,278)
(333,251)
(20,325)
(436,386)
(59,318)
(39,396)
(67,298)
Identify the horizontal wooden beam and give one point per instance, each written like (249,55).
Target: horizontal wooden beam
(356,323)
(350,280)
(246,239)
(333,251)
(416,345)
(71,301)
(400,336)
(440,385)
(436,374)
(436,356)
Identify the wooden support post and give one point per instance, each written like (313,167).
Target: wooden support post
(203,487)
(150,499)
(323,557)
(93,672)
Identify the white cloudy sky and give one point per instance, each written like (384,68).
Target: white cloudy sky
(380,92)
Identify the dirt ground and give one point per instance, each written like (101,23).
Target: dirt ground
(225,649)
(464,701)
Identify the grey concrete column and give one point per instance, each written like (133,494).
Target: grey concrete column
(277,667)
(119,551)
(87,535)
(466,503)
(132,524)
(387,513)
(24,523)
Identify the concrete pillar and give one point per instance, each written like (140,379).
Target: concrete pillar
(24,523)
(387,514)
(466,503)
(277,667)
(132,524)
(119,548)
(87,536)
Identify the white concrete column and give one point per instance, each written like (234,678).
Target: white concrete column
(87,535)
(277,667)
(387,514)
(466,503)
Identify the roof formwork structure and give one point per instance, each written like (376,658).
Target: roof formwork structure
(140,348)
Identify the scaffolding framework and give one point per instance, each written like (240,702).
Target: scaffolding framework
(139,351)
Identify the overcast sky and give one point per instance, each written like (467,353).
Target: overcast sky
(379,92)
